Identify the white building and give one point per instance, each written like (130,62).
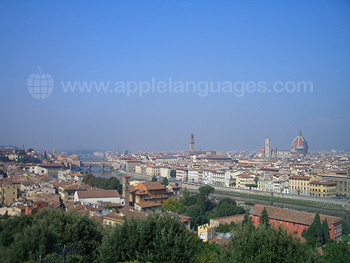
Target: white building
(165,171)
(193,176)
(94,196)
(182,174)
(280,186)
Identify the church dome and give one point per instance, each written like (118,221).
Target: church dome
(299,145)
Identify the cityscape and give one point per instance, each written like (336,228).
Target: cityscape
(175,132)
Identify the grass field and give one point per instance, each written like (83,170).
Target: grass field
(346,238)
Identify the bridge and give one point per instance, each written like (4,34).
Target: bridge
(101,164)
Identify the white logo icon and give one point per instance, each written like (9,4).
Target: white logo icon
(40,86)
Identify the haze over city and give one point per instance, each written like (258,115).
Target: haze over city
(295,41)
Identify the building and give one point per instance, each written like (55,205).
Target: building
(126,189)
(299,146)
(151,192)
(227,220)
(67,191)
(299,185)
(267,148)
(9,191)
(295,221)
(243,180)
(182,174)
(342,181)
(165,171)
(323,189)
(96,195)
(206,232)
(191,142)
(131,165)
(148,207)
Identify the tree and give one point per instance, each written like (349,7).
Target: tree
(264,245)
(173,206)
(165,181)
(264,219)
(30,150)
(154,178)
(346,228)
(248,221)
(256,180)
(25,238)
(314,233)
(45,156)
(173,173)
(227,207)
(325,232)
(155,238)
(336,252)
(188,198)
(203,198)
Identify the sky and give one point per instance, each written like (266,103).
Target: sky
(247,62)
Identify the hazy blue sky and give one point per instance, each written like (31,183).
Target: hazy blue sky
(187,41)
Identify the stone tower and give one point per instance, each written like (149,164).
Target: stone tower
(126,186)
(191,142)
(267,148)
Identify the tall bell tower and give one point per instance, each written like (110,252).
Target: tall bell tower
(191,142)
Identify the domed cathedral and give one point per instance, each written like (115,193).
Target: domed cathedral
(299,146)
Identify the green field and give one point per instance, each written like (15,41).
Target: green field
(346,238)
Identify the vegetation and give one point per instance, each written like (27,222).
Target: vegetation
(165,181)
(201,208)
(172,205)
(28,159)
(317,234)
(27,237)
(156,238)
(173,173)
(250,244)
(264,219)
(4,159)
(154,178)
(111,183)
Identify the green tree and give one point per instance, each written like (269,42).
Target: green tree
(154,178)
(264,245)
(165,181)
(325,232)
(203,198)
(314,233)
(264,219)
(173,173)
(346,228)
(173,206)
(188,198)
(30,150)
(248,221)
(156,238)
(45,156)
(227,207)
(336,252)
(25,238)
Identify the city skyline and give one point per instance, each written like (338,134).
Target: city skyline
(245,59)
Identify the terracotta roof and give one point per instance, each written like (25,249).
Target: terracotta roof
(229,219)
(153,185)
(99,193)
(323,183)
(300,177)
(291,215)
(114,217)
(148,204)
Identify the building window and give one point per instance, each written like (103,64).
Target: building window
(202,236)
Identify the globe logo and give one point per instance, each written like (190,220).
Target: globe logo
(40,86)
